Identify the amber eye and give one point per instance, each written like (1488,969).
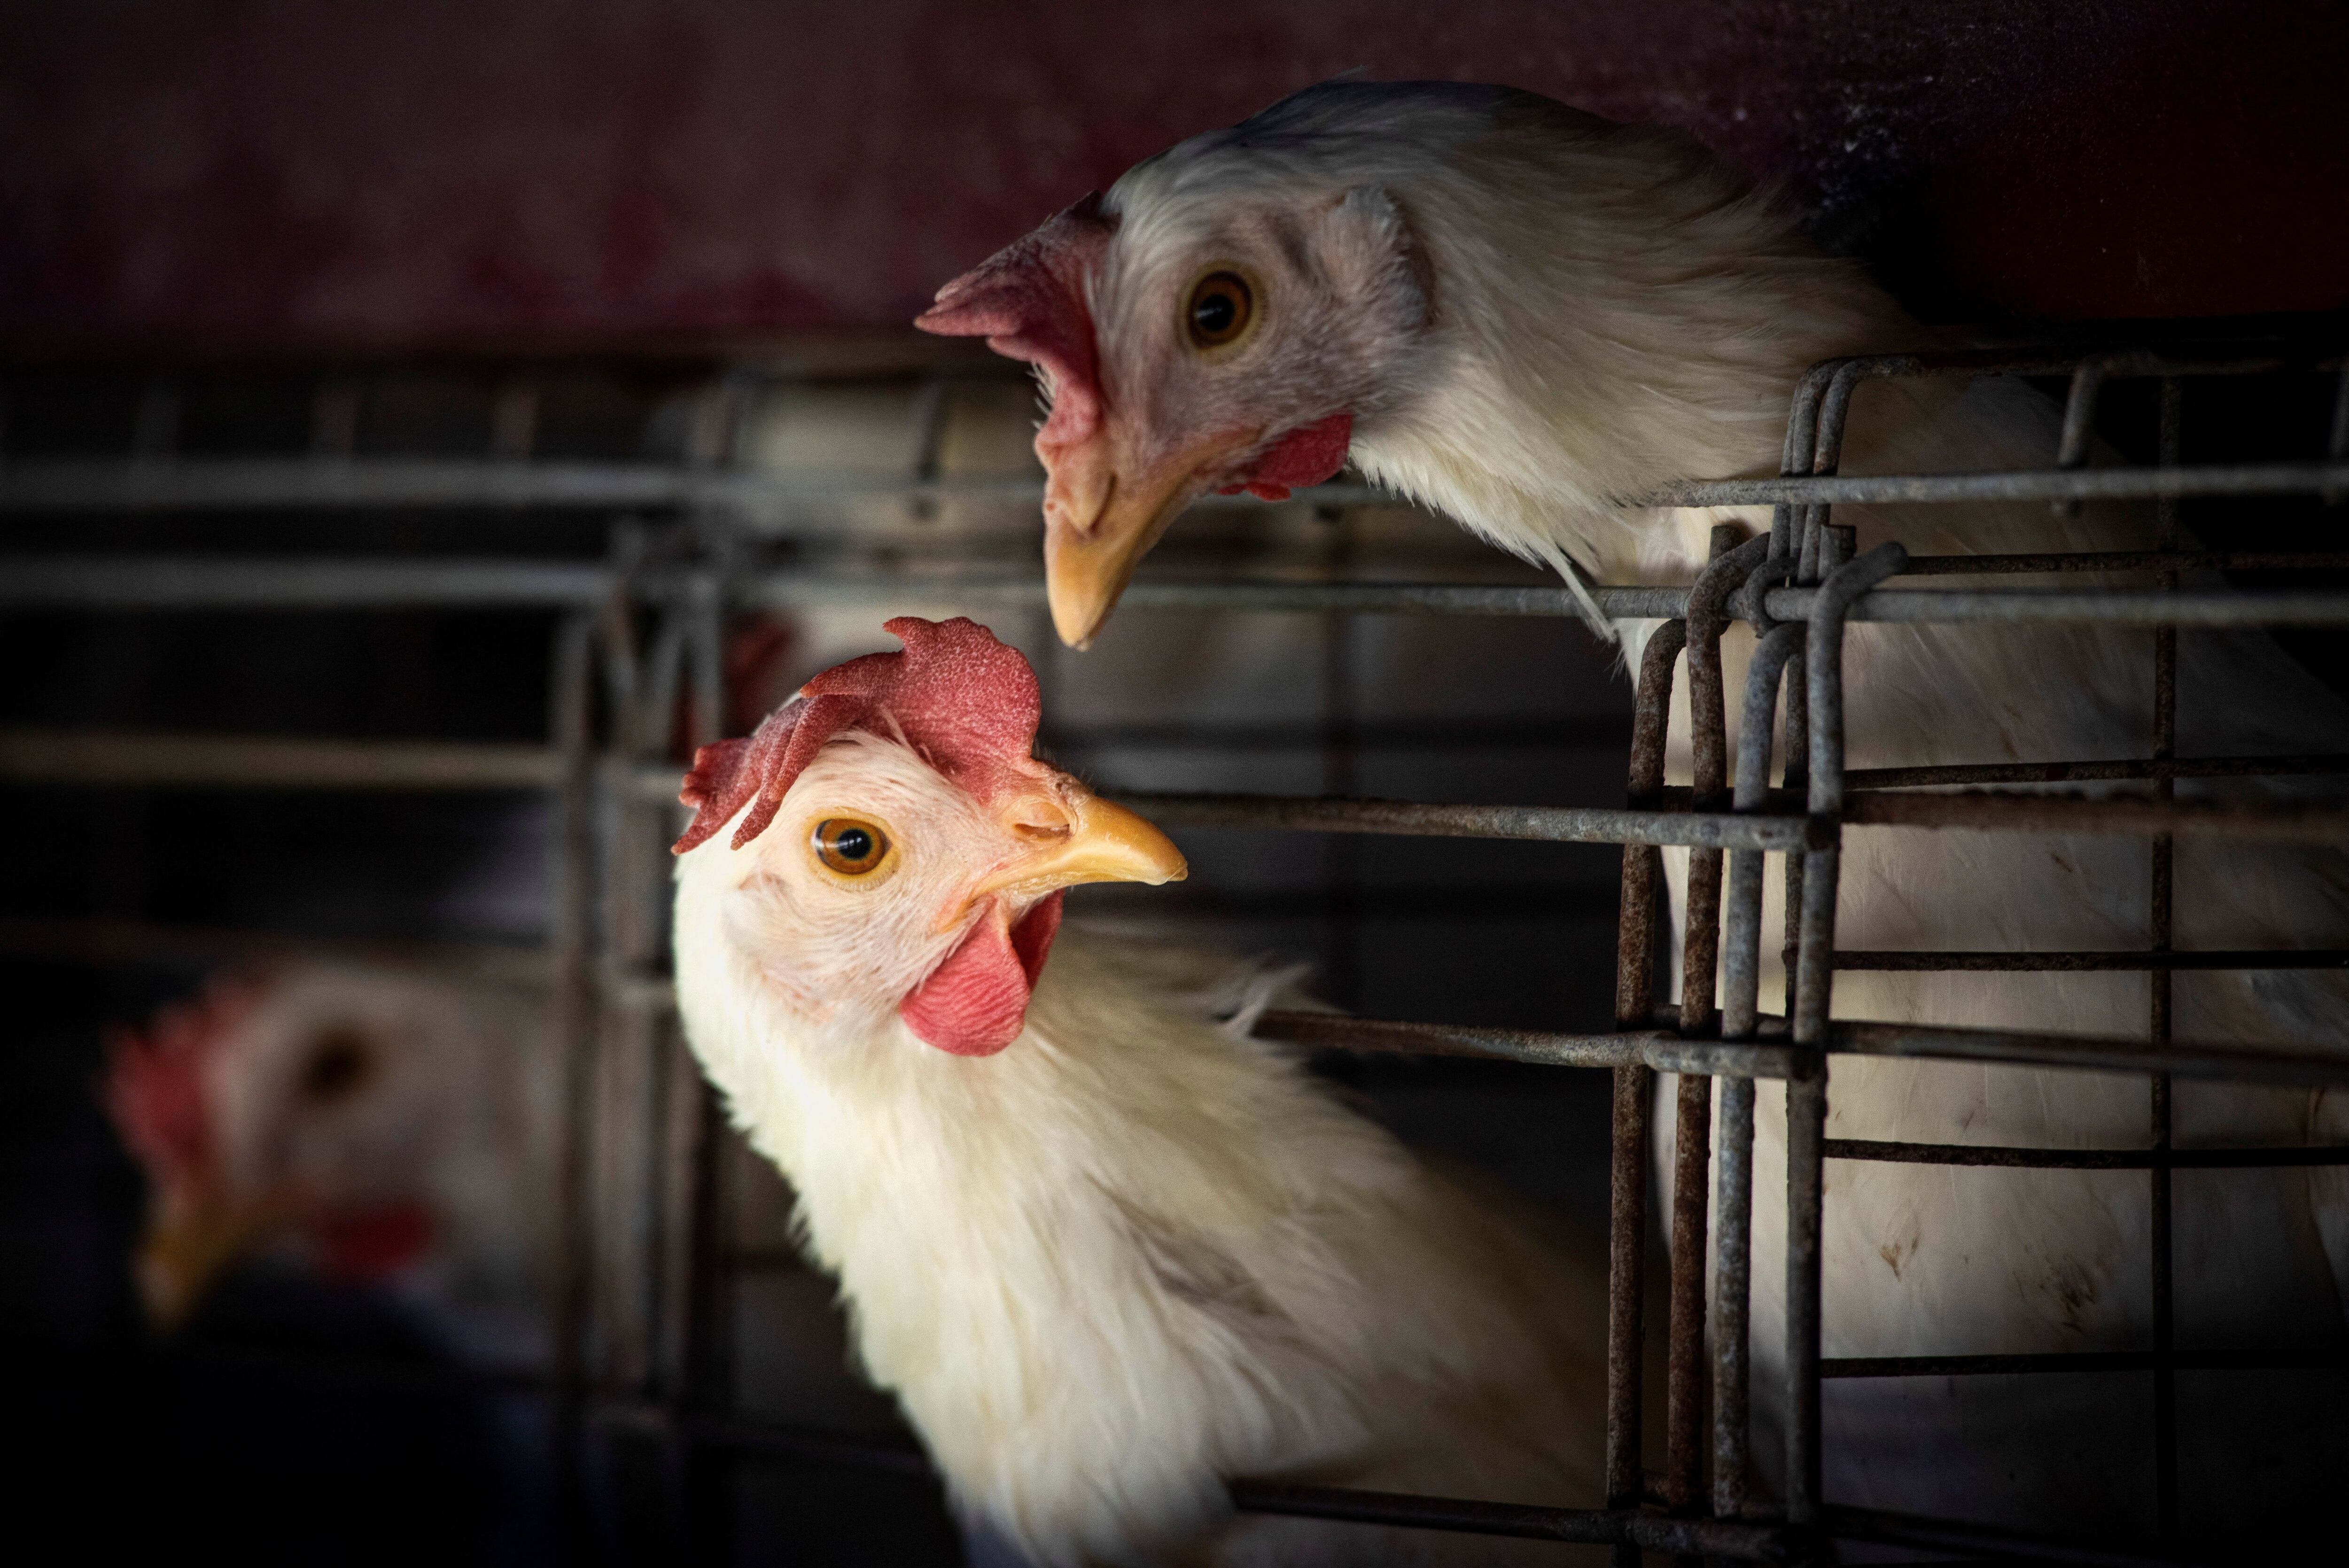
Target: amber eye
(340,1064)
(850,845)
(1221,306)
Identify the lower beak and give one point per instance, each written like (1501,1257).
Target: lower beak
(190,1245)
(1106,843)
(1101,519)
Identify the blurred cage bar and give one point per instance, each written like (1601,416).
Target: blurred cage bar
(640,1337)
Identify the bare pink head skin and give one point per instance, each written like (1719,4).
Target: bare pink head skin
(299,1106)
(930,751)
(1148,409)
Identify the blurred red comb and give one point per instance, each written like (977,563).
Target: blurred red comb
(155,1077)
(965,700)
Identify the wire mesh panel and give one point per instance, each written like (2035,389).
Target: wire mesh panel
(646,1299)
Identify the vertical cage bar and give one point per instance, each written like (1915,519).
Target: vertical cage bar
(571,720)
(1341,856)
(1807,1089)
(1742,965)
(2161,993)
(1635,958)
(1693,1122)
(706,1486)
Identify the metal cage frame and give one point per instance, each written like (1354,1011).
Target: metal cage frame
(1798,586)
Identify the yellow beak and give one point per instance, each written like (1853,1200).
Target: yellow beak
(1101,519)
(191,1239)
(1103,842)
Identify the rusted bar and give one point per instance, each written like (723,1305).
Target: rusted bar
(2094,962)
(1823,661)
(1693,1120)
(2128,561)
(1709,746)
(1742,955)
(1660,1050)
(1684,1371)
(1538,824)
(2032,811)
(2049,1362)
(1734,1198)
(2150,1158)
(2264,821)
(1624,1528)
(2292,765)
(2041,484)
(1732,1298)
(1806,1115)
(1627,1224)
(1642,867)
(1807,1091)
(2242,1064)
(1626,1234)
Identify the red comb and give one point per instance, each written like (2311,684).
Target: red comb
(966,701)
(155,1080)
(1028,300)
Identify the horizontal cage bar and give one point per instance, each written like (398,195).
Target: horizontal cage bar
(2083,1158)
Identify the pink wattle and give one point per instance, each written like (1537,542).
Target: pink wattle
(1308,455)
(975,1002)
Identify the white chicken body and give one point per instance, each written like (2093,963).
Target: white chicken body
(1524,315)
(1132,1253)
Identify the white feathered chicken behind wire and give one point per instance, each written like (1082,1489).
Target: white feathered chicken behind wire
(1107,1251)
(1518,313)
(385,1128)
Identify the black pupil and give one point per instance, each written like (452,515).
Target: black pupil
(852,843)
(1215,312)
(338,1066)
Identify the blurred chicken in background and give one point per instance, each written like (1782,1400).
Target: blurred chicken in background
(377,1127)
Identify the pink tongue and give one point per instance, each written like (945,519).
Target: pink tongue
(975,1002)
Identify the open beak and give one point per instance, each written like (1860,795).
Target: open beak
(1095,841)
(193,1238)
(1100,518)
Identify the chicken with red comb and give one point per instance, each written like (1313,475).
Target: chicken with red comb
(380,1126)
(1107,1251)
(1529,318)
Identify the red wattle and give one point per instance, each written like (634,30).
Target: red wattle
(1308,455)
(358,1246)
(975,1002)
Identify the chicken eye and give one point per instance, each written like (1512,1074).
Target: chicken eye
(1220,309)
(850,845)
(339,1064)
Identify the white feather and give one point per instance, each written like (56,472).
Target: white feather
(1610,308)
(1136,1252)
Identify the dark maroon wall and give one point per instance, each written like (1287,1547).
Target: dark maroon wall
(560,170)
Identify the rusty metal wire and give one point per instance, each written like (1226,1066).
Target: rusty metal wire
(1799,587)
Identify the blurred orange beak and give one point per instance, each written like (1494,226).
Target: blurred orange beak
(193,1238)
(1087,841)
(1101,516)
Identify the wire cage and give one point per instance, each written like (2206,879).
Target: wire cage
(641,1346)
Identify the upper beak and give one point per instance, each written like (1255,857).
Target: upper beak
(191,1241)
(1101,842)
(1100,518)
